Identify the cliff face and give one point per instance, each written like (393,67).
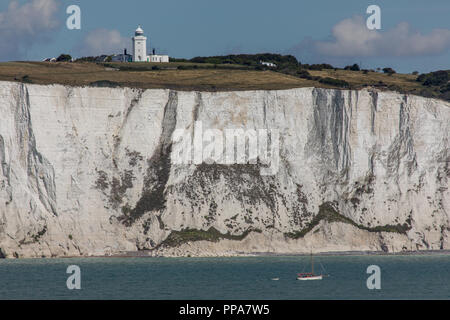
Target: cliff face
(92,171)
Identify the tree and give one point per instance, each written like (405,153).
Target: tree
(436,78)
(354,67)
(64,58)
(388,71)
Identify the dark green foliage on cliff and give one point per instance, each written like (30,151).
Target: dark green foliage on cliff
(328,213)
(445,88)
(437,84)
(177,238)
(354,67)
(64,58)
(104,84)
(302,73)
(335,82)
(317,67)
(26,79)
(437,78)
(33,238)
(389,70)
(250,60)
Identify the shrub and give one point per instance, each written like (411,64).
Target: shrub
(354,67)
(302,73)
(436,78)
(335,82)
(319,67)
(177,238)
(177,60)
(389,70)
(64,58)
(445,88)
(26,79)
(104,84)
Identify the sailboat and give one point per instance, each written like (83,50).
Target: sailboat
(310,275)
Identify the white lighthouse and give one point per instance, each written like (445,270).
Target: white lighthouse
(139,46)
(140,49)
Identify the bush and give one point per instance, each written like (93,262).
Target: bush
(445,88)
(26,79)
(251,60)
(436,78)
(177,238)
(302,73)
(64,58)
(318,67)
(354,67)
(389,70)
(445,95)
(104,84)
(177,60)
(335,82)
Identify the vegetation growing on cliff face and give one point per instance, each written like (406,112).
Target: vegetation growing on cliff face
(177,238)
(33,238)
(438,83)
(328,213)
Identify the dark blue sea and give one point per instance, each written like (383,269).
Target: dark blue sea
(402,277)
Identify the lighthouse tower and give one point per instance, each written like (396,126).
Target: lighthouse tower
(139,46)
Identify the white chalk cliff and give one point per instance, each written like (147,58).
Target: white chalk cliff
(87,171)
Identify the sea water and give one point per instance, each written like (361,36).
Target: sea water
(401,277)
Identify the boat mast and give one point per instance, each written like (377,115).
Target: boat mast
(312,263)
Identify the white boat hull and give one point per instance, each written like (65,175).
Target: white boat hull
(310,278)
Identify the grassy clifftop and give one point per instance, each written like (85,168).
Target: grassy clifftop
(204,76)
(141,75)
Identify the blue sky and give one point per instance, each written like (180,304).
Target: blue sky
(415,34)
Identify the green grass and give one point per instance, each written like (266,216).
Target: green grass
(197,76)
(142,75)
(154,66)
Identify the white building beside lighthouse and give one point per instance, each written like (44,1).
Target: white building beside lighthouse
(140,49)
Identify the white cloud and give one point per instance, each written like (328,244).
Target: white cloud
(23,26)
(103,41)
(351,38)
